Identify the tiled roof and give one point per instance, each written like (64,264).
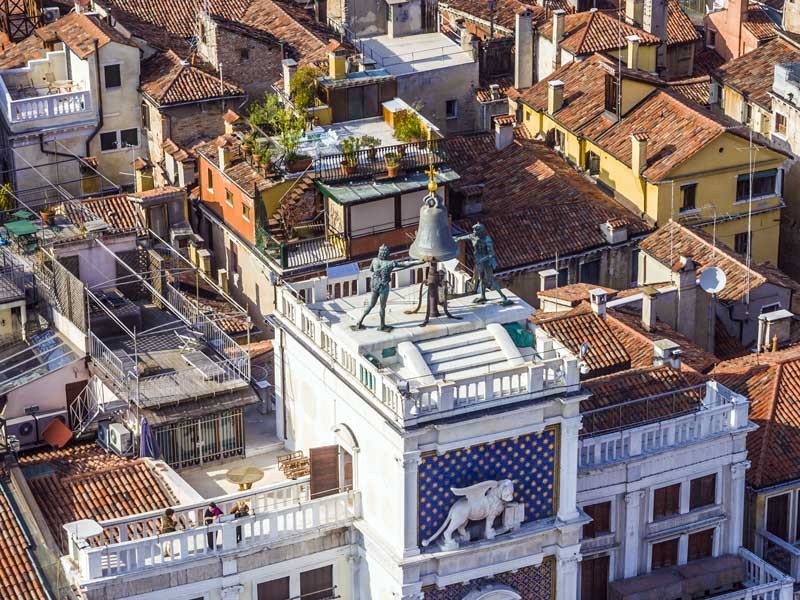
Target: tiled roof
(637,384)
(694,89)
(574,293)
(673,240)
(505,10)
(751,74)
(167,79)
(19,579)
(292,24)
(680,29)
(727,346)
(80,32)
(238,170)
(117,210)
(771,381)
(759,24)
(484,94)
(534,204)
(179,17)
(596,31)
(18,55)
(84,482)
(581,325)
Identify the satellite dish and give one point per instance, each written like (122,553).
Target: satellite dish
(713,280)
(584,349)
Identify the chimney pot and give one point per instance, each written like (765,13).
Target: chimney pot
(289,67)
(638,153)
(666,352)
(555,96)
(523,49)
(559,16)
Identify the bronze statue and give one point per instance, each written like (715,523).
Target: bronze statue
(382,269)
(485,262)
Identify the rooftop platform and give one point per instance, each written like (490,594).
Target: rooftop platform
(414,53)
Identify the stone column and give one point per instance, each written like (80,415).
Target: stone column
(568,476)
(630,542)
(736,509)
(567,572)
(410,464)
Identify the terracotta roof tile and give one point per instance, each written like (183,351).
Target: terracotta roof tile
(167,79)
(680,29)
(19,579)
(596,31)
(759,24)
(772,383)
(178,17)
(574,293)
(117,210)
(699,247)
(751,74)
(291,23)
(84,482)
(80,32)
(505,11)
(534,204)
(239,171)
(484,94)
(18,55)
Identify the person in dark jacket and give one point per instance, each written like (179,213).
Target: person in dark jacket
(213,512)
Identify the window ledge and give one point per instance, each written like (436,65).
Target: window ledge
(755,199)
(690,211)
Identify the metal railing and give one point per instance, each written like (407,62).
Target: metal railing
(300,253)
(368,163)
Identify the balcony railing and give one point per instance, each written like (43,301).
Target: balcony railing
(682,417)
(409,403)
(764,582)
(369,163)
(778,552)
(300,253)
(263,527)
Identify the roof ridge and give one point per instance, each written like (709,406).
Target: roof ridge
(585,32)
(768,427)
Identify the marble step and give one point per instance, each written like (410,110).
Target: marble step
(462,351)
(450,367)
(458,340)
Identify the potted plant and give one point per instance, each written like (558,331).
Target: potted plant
(350,146)
(303,89)
(297,162)
(392,163)
(409,128)
(248,144)
(47,214)
(371,143)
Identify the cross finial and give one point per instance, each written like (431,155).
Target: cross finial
(432,186)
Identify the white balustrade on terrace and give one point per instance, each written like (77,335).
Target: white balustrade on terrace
(414,403)
(778,552)
(276,514)
(721,411)
(764,582)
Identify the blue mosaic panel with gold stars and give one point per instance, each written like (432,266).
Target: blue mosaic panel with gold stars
(529,460)
(532,583)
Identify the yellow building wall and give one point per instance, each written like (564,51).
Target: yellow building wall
(272,197)
(633,92)
(765,234)
(619,177)
(647,57)
(732,103)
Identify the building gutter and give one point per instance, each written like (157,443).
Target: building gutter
(99,125)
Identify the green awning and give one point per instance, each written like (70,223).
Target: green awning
(22,214)
(21,228)
(366,191)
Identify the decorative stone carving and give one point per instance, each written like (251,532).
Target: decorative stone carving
(485,500)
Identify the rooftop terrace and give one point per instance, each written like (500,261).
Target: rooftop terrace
(413,54)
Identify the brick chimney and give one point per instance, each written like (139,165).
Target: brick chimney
(638,153)
(523,49)
(555,96)
(558,32)
(598,298)
(654,20)
(224,144)
(633,51)
(289,67)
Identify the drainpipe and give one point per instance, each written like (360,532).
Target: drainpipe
(99,99)
(56,152)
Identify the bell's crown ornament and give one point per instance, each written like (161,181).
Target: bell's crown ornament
(434,240)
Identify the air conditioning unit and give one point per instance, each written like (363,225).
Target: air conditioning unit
(28,429)
(120,439)
(50,14)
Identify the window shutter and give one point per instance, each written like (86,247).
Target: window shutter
(324,471)
(277,589)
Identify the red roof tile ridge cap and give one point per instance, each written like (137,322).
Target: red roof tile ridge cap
(773,397)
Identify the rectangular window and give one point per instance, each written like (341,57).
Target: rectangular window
(592,163)
(317,584)
(451,109)
(703,491)
(234,257)
(712,38)
(366,377)
(210,177)
(780,124)
(108,141)
(778,516)
(244,55)
(612,91)
(129,137)
(594,578)
(688,196)
(666,501)
(245,212)
(229,197)
(635,267)
(701,545)
(563,276)
(559,140)
(113,76)
(590,272)
(748,114)
(277,589)
(764,184)
(145,116)
(740,242)
(601,519)
(665,554)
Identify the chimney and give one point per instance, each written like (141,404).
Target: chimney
(289,67)
(558,33)
(654,20)
(633,12)
(649,296)
(555,96)
(633,51)
(503,131)
(687,297)
(638,153)
(548,279)
(776,327)
(223,151)
(523,50)
(598,298)
(337,60)
(666,352)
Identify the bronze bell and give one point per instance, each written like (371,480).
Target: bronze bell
(434,240)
